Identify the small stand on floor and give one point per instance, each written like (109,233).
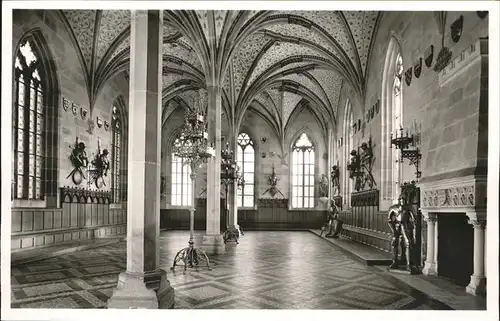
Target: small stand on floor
(191,256)
(231,234)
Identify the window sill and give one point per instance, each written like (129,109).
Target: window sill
(21,203)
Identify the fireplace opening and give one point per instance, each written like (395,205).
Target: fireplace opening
(455,248)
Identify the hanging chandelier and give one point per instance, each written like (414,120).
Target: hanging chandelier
(193,141)
(229,170)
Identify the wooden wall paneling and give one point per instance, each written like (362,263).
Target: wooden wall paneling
(27,221)
(48,220)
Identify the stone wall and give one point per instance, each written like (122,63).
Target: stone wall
(72,124)
(267,153)
(452,113)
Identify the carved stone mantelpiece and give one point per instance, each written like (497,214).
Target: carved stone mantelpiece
(460,194)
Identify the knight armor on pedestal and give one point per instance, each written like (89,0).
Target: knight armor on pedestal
(401,220)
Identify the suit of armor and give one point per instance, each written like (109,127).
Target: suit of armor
(334,223)
(401,221)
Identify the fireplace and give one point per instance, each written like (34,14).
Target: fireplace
(455,247)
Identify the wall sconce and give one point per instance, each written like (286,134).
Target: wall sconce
(409,150)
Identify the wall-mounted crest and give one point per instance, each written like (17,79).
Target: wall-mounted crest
(74,108)
(417,67)
(263,139)
(377,106)
(106,125)
(273,182)
(457,29)
(482,14)
(83,113)
(444,57)
(429,55)
(90,126)
(99,122)
(66,103)
(408,76)
(263,155)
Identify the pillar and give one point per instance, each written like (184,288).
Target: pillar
(477,285)
(430,267)
(330,164)
(212,240)
(143,284)
(233,191)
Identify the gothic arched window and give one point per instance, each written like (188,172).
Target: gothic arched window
(245,159)
(116,143)
(303,173)
(28,125)
(348,147)
(397,121)
(181,181)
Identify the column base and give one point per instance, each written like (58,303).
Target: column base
(140,291)
(213,244)
(477,285)
(430,268)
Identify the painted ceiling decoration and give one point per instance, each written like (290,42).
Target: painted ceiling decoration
(266,59)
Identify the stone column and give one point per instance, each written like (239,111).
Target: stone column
(430,267)
(143,284)
(329,164)
(477,285)
(212,240)
(233,190)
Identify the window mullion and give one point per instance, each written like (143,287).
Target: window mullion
(15,137)
(26,133)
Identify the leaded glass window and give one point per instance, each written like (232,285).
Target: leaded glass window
(116,143)
(181,181)
(245,159)
(28,125)
(303,173)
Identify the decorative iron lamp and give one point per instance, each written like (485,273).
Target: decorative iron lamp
(194,149)
(229,172)
(409,150)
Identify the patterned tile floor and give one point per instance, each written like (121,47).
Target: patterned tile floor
(267,270)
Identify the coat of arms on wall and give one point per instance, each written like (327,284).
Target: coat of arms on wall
(99,122)
(66,103)
(408,76)
(83,113)
(456,29)
(90,126)
(74,108)
(417,67)
(106,125)
(429,55)
(273,181)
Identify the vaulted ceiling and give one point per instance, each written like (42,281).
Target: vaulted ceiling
(272,62)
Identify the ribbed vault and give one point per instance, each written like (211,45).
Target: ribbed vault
(270,62)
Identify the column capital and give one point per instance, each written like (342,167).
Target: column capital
(478,223)
(429,217)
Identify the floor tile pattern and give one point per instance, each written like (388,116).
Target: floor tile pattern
(267,270)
